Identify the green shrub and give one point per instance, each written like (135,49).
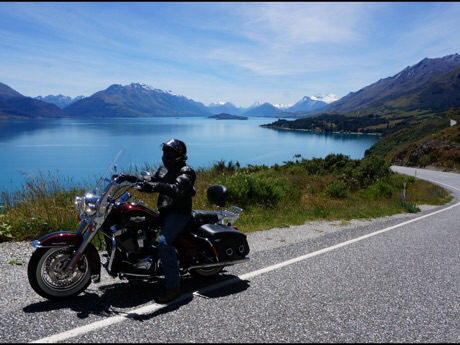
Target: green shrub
(410,207)
(5,229)
(221,167)
(368,171)
(336,189)
(246,190)
(314,166)
(381,189)
(334,162)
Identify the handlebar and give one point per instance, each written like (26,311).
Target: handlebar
(123,178)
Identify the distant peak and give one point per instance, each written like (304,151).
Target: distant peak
(282,106)
(327,98)
(219,103)
(138,86)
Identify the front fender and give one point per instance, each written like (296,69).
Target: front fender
(62,239)
(58,239)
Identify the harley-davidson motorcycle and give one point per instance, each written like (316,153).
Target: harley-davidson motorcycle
(65,262)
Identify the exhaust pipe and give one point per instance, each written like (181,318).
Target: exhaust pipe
(217,264)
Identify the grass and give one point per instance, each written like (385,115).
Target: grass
(333,188)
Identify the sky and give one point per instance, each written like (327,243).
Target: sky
(241,52)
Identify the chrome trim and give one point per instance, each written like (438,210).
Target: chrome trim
(137,275)
(112,254)
(81,249)
(36,244)
(209,242)
(137,219)
(217,264)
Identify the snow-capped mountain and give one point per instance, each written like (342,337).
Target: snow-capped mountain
(144,87)
(60,100)
(282,106)
(225,107)
(307,104)
(265,109)
(136,100)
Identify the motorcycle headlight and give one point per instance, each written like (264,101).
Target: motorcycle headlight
(79,204)
(90,209)
(86,205)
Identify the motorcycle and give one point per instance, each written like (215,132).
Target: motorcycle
(64,263)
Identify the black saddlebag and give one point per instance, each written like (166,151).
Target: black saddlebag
(229,243)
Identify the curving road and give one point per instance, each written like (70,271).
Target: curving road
(395,279)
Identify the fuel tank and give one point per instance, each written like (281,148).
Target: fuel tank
(133,215)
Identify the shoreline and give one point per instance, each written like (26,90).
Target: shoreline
(318,132)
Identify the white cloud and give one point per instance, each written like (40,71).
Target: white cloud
(285,39)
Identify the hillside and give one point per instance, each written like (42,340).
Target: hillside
(419,86)
(440,94)
(411,110)
(14,105)
(430,141)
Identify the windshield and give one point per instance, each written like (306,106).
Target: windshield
(106,176)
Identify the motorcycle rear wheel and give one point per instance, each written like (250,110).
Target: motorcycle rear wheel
(47,278)
(206,272)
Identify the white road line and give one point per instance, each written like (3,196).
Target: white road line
(427,179)
(154,306)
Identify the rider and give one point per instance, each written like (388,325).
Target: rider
(175,183)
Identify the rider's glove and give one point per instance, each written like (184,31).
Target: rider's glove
(147,187)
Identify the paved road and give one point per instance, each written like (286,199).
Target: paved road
(396,279)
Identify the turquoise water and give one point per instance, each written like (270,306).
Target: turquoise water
(82,149)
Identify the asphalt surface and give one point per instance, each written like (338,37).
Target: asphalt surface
(346,282)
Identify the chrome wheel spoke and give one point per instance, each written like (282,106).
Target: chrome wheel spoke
(54,276)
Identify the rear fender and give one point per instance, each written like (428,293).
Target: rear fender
(64,239)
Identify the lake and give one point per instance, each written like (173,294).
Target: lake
(81,149)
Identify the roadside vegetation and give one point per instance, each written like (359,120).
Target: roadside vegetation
(333,188)
(427,142)
(416,138)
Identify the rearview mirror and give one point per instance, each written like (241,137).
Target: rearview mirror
(146,176)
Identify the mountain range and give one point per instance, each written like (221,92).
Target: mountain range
(140,100)
(431,84)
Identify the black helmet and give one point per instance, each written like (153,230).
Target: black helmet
(174,153)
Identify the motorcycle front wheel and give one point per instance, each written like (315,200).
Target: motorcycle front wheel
(48,279)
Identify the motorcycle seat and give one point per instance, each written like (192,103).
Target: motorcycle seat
(201,217)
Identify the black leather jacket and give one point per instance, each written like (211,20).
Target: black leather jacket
(176,188)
